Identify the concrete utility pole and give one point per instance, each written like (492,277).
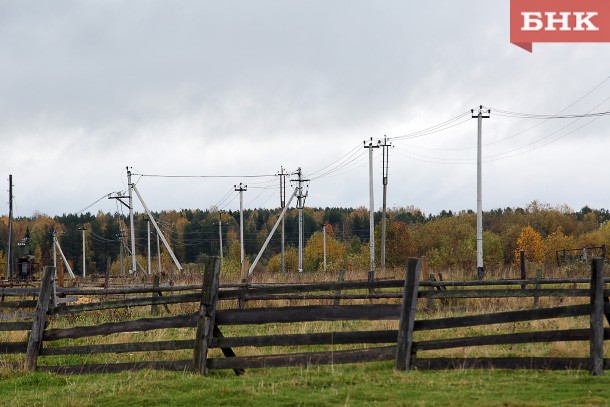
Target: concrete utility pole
(131,223)
(9,247)
(480,115)
(282,175)
(241,190)
(83,228)
(300,205)
(386,159)
(371,146)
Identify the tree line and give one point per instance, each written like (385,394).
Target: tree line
(447,239)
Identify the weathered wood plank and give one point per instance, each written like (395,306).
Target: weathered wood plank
(129,302)
(13,347)
(597,317)
(506,293)
(257,316)
(323,338)
(305,359)
(207,314)
(504,363)
(566,335)
(503,317)
(226,351)
(404,343)
(15,326)
(18,304)
(118,348)
(145,324)
(40,318)
(172,365)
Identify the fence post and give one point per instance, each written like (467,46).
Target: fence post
(404,345)
(597,317)
(207,314)
(40,319)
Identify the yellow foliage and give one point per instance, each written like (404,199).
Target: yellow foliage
(531,243)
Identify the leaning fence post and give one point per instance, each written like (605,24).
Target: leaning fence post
(40,319)
(404,343)
(597,317)
(207,314)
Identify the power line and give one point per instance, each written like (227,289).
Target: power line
(206,176)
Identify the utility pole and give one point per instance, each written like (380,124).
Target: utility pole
(83,228)
(371,146)
(386,159)
(9,247)
(241,190)
(324,244)
(480,115)
(282,175)
(220,236)
(149,253)
(300,205)
(131,222)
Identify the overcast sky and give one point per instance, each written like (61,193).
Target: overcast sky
(245,87)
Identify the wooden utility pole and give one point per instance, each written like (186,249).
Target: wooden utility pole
(301,197)
(132,229)
(386,159)
(282,175)
(241,190)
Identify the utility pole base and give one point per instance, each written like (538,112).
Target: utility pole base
(371,276)
(480,273)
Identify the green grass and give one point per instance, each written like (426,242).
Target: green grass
(350,385)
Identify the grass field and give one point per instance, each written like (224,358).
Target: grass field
(350,385)
(347,385)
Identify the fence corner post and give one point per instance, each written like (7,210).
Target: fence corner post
(404,343)
(597,317)
(207,314)
(40,319)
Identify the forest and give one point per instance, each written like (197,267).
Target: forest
(447,239)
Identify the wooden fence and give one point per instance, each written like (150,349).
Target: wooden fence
(392,300)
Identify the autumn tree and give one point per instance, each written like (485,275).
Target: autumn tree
(531,243)
(313,255)
(399,245)
(555,242)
